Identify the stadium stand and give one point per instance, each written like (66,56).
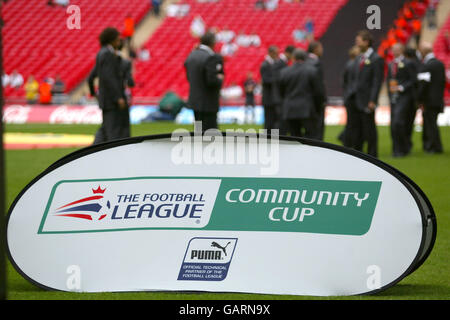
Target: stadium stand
(172,41)
(406,25)
(37,40)
(442,51)
(71,53)
(340,37)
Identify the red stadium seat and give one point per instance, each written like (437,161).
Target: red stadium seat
(171,43)
(37,40)
(441,49)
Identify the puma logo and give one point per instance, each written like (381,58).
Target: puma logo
(216,245)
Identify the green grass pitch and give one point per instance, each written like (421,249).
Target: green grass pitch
(430,172)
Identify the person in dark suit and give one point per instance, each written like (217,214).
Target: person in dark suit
(315,52)
(269,82)
(205,73)
(411,54)
(369,76)
(111,92)
(126,67)
(249,89)
(348,80)
(431,97)
(128,82)
(283,61)
(301,93)
(401,81)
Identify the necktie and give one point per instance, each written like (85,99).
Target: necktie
(361,63)
(394,69)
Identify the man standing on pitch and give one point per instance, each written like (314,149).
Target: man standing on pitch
(315,52)
(348,80)
(364,96)
(431,97)
(283,61)
(269,83)
(111,93)
(301,93)
(401,81)
(204,71)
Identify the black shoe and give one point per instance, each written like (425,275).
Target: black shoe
(410,146)
(399,155)
(434,151)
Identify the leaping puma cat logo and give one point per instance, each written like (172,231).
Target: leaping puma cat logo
(216,245)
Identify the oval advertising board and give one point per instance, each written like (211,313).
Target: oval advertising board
(222,213)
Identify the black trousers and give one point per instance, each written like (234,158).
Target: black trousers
(368,130)
(208,119)
(306,128)
(281,124)
(430,136)
(361,128)
(351,136)
(321,124)
(400,126)
(250,106)
(410,123)
(271,117)
(115,125)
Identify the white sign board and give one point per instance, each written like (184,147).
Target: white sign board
(124,216)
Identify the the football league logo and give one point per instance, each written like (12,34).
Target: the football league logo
(89,208)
